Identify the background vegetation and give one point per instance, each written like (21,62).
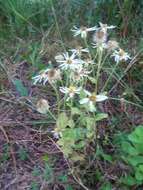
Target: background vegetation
(32,32)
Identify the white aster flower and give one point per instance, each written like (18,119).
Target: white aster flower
(48,75)
(70,91)
(112,45)
(104,27)
(91,99)
(69,62)
(120,55)
(79,50)
(100,37)
(82,31)
(79,74)
(88,62)
(41,78)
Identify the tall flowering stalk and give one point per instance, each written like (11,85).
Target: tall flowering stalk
(79,69)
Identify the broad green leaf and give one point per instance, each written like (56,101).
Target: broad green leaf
(129,180)
(77,157)
(107,157)
(135,160)
(137,135)
(139,147)
(45,158)
(63,178)
(79,145)
(139,175)
(128,148)
(70,123)
(141,167)
(20,87)
(101,116)
(93,80)
(106,186)
(62,121)
(89,122)
(69,187)
(75,111)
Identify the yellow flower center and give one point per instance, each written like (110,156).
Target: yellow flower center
(92,98)
(69,61)
(51,73)
(83,28)
(72,89)
(121,52)
(100,34)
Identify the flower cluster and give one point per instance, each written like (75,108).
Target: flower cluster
(79,69)
(77,65)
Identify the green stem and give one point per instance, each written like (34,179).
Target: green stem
(110,76)
(98,69)
(58,98)
(52,115)
(57,25)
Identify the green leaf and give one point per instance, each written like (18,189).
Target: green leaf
(139,175)
(20,87)
(45,158)
(141,167)
(137,135)
(36,172)
(93,80)
(62,121)
(68,187)
(135,160)
(63,178)
(89,122)
(128,148)
(70,123)
(106,186)
(101,116)
(129,180)
(107,157)
(75,111)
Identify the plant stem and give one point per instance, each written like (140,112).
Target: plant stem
(57,25)
(58,98)
(110,76)
(98,69)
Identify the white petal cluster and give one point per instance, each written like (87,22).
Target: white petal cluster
(69,62)
(41,78)
(120,55)
(82,31)
(78,63)
(47,75)
(70,91)
(79,74)
(91,99)
(79,50)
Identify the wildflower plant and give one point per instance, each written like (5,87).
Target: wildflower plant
(78,90)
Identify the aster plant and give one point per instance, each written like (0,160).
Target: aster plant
(76,83)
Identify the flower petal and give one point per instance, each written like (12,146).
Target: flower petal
(100,98)
(84,101)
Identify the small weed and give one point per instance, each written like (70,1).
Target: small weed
(23,154)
